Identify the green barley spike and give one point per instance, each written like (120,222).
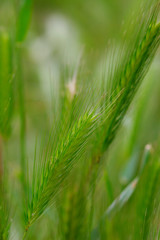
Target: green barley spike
(132,76)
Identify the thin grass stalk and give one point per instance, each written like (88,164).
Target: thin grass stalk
(21,100)
(1,159)
(150,206)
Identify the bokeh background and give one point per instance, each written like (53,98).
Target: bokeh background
(61,33)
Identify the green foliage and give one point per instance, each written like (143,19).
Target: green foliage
(23,19)
(6,78)
(4,217)
(142,204)
(75,186)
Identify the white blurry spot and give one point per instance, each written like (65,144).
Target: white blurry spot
(40,50)
(128,121)
(59,30)
(72,87)
(148,147)
(58,46)
(72,83)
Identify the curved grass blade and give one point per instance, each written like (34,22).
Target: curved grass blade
(23,19)
(5,83)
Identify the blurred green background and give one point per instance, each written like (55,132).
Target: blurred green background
(59,33)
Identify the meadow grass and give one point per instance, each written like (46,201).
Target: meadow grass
(67,185)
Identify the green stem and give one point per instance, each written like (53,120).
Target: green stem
(1,160)
(22,119)
(24,235)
